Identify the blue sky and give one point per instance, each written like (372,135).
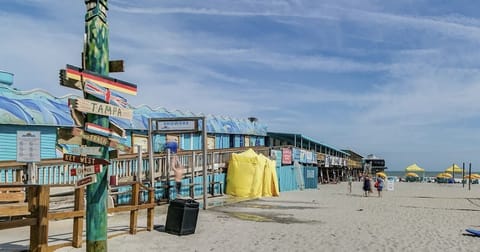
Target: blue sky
(399,79)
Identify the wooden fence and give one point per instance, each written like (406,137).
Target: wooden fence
(50,173)
(37,215)
(126,167)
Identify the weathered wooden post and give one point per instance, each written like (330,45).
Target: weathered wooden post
(151,210)
(95,128)
(78,221)
(39,203)
(134,212)
(96,58)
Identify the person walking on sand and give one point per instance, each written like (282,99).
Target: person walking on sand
(367,185)
(350,180)
(379,185)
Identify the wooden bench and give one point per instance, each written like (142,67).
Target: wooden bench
(12,202)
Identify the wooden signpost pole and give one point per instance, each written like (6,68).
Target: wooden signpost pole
(96,58)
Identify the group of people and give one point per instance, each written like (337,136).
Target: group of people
(367,185)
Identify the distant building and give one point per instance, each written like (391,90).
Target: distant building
(373,164)
(354,163)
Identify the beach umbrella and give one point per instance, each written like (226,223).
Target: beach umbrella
(444,175)
(454,169)
(381,174)
(473,176)
(414,168)
(412,174)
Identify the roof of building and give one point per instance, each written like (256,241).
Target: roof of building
(38,107)
(305,139)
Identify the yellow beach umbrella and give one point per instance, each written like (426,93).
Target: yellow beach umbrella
(444,175)
(473,176)
(454,169)
(381,174)
(412,174)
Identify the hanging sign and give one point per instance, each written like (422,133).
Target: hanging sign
(177,125)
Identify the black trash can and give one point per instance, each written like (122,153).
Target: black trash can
(182,217)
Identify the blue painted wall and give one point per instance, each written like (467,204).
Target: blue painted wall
(8,140)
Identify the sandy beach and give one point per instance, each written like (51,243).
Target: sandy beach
(413,217)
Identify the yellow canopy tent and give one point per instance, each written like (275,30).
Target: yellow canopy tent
(454,168)
(414,168)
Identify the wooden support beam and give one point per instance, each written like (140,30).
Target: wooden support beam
(150,210)
(18,223)
(39,232)
(78,221)
(134,213)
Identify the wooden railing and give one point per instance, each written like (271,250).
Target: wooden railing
(39,215)
(57,171)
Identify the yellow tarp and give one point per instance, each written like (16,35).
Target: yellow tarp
(251,175)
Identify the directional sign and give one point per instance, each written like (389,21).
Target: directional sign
(76,135)
(72,77)
(97,129)
(91,169)
(86,150)
(117,129)
(77,116)
(86,181)
(104,94)
(84,159)
(99,108)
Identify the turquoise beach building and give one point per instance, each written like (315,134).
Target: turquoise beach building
(302,162)
(37,110)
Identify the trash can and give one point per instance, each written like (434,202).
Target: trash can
(182,217)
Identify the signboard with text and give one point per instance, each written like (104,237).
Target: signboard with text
(86,181)
(28,146)
(177,125)
(286,156)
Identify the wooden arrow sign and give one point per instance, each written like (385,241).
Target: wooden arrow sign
(99,108)
(86,150)
(97,129)
(72,77)
(84,159)
(86,181)
(104,94)
(76,135)
(91,169)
